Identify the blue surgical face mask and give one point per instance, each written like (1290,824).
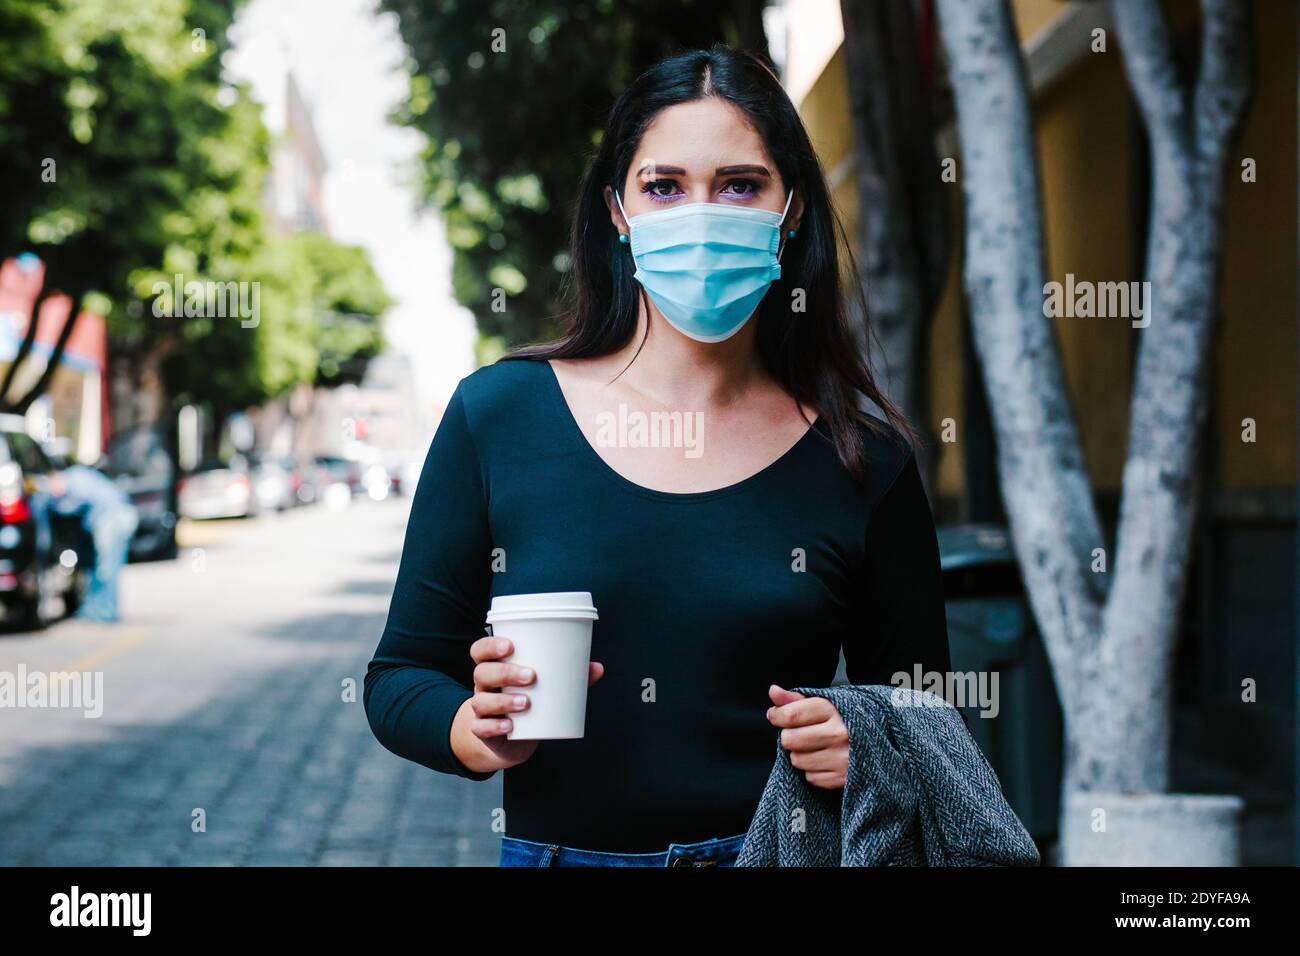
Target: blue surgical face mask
(706,266)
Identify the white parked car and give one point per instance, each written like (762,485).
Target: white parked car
(218,489)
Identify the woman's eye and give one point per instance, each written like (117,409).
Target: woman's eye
(660,189)
(740,188)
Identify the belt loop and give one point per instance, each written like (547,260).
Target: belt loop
(551,855)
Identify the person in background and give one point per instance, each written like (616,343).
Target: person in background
(110,519)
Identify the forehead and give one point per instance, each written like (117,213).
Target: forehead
(700,136)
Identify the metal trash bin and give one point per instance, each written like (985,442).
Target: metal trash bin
(991,631)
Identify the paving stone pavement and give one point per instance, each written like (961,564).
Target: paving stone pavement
(223,700)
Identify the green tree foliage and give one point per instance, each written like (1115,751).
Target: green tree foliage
(319,308)
(112,129)
(348,299)
(135,162)
(512,95)
(323,305)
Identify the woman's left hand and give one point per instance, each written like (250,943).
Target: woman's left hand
(814,736)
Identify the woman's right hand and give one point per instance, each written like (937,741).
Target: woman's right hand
(478,732)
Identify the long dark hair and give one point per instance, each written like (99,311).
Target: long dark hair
(814,353)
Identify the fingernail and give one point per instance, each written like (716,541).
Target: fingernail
(526,673)
(502,646)
(504,725)
(521,702)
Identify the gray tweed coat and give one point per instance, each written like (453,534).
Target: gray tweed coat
(919,793)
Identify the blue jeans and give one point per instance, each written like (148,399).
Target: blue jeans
(112,530)
(719,852)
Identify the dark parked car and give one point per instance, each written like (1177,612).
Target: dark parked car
(139,462)
(340,470)
(42,554)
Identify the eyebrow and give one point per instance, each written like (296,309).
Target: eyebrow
(656,170)
(734,170)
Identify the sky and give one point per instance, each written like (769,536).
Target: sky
(347,62)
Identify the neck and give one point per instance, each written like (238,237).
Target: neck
(679,372)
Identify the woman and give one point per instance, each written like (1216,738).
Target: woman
(784,525)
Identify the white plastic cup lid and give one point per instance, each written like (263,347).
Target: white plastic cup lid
(551,604)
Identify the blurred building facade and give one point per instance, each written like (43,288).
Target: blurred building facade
(381,414)
(74,405)
(303,422)
(293,190)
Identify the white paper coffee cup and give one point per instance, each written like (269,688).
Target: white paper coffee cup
(551,633)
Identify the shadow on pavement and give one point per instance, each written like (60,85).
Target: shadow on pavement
(383,588)
(284,770)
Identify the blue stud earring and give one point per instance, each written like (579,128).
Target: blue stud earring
(790,234)
(622,237)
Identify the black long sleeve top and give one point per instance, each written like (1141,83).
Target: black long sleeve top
(705,599)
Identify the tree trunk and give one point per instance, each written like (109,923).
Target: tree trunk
(1189,138)
(150,395)
(52,363)
(24,347)
(1045,486)
(902,224)
(1111,648)
(137,390)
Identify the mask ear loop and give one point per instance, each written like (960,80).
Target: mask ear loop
(619,200)
(781,248)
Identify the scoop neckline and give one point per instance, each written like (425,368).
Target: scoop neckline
(580,438)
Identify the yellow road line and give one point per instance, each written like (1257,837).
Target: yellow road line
(125,642)
(199,534)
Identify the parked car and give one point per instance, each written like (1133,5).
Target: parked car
(219,489)
(404,468)
(138,460)
(376,481)
(304,479)
(42,555)
(272,484)
(340,470)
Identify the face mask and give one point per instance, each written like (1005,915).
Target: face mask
(706,266)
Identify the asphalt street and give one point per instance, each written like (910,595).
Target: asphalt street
(232,730)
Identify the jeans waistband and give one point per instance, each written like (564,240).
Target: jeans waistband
(721,851)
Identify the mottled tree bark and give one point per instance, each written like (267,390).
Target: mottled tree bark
(1189,138)
(1110,636)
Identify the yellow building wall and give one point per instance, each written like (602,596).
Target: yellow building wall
(1084,129)
(1255,355)
(825,112)
(1033,15)
(1088,141)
